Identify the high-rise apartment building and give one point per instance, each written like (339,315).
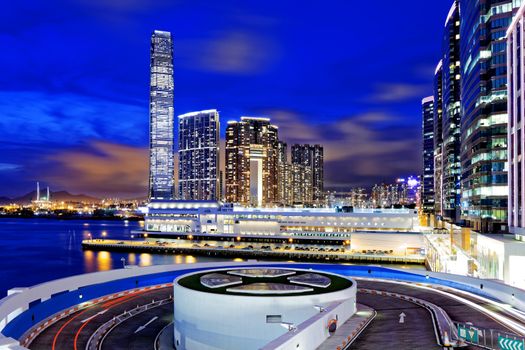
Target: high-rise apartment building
(302,184)
(516,130)
(161,138)
(451,116)
(438,139)
(484,189)
(252,162)
(311,156)
(199,155)
(427,191)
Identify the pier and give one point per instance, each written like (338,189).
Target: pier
(246,252)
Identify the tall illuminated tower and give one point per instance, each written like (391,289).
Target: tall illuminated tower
(161,138)
(427,190)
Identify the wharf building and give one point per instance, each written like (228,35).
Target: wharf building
(161,124)
(427,185)
(484,120)
(199,177)
(252,162)
(516,133)
(172,218)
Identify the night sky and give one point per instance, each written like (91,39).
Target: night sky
(74,83)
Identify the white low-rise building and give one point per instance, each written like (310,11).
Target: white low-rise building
(210,217)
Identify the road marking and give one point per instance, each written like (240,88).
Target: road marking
(147,324)
(402,317)
(95,315)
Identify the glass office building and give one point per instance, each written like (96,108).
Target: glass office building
(427,188)
(438,140)
(484,119)
(451,118)
(199,155)
(161,138)
(516,132)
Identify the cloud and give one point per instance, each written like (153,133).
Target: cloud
(69,119)
(397,92)
(9,167)
(103,169)
(358,150)
(230,52)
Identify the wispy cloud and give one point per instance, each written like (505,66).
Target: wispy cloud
(232,52)
(103,169)
(397,92)
(358,149)
(69,119)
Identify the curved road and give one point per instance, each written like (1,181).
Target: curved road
(385,331)
(74,331)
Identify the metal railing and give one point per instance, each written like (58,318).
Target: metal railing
(489,338)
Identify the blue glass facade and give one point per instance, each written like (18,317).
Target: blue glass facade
(427,185)
(483,151)
(199,155)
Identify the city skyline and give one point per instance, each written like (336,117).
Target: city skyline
(63,117)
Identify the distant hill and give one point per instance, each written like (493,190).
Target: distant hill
(61,196)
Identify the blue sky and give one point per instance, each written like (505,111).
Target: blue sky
(346,74)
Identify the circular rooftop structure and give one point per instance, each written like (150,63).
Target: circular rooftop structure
(245,308)
(264,282)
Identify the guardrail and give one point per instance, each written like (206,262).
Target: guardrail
(489,338)
(97,338)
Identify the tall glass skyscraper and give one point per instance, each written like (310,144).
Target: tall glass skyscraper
(161,138)
(427,185)
(199,155)
(451,119)
(484,119)
(438,139)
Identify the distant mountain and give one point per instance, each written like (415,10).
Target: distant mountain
(61,196)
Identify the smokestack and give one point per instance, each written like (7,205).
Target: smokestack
(37,191)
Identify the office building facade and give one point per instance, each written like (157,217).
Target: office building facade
(161,133)
(311,156)
(484,112)
(427,188)
(199,177)
(516,133)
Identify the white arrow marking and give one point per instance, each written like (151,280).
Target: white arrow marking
(142,327)
(402,317)
(95,315)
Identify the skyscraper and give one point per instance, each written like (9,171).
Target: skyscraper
(252,162)
(484,118)
(428,155)
(451,117)
(311,156)
(161,138)
(516,130)
(438,139)
(199,155)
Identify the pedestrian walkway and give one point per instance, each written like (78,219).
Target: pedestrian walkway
(346,332)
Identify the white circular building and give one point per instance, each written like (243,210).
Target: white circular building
(248,308)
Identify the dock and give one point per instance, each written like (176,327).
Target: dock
(251,253)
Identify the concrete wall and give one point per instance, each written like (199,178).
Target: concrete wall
(209,321)
(314,331)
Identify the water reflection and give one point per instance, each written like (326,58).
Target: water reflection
(89,261)
(190,259)
(145,259)
(104,261)
(132,259)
